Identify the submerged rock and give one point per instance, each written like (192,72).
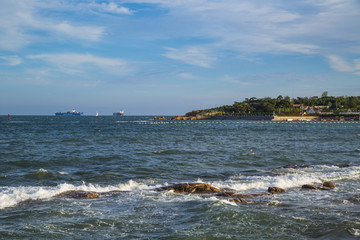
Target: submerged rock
(78,194)
(275,190)
(190,188)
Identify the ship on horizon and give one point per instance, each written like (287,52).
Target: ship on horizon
(69,113)
(120,113)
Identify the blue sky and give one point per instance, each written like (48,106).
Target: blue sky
(167,57)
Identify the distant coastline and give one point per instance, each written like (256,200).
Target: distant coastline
(324,108)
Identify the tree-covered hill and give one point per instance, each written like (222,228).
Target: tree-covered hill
(287,106)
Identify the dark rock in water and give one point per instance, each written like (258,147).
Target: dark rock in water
(308,186)
(239,200)
(344,165)
(226,194)
(275,190)
(190,188)
(78,194)
(329,184)
(324,188)
(111,193)
(296,166)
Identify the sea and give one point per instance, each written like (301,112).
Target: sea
(125,159)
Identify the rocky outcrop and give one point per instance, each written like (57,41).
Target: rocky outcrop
(197,117)
(78,194)
(160,118)
(199,188)
(325,186)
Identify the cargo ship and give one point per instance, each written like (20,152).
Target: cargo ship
(69,113)
(120,113)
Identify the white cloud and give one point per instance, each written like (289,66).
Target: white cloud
(12,60)
(79,32)
(77,63)
(186,75)
(261,26)
(341,65)
(112,7)
(25,22)
(191,55)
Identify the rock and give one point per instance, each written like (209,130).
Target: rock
(239,200)
(329,184)
(78,194)
(324,188)
(160,118)
(275,190)
(226,194)
(111,193)
(198,188)
(344,165)
(308,186)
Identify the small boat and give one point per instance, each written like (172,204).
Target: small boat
(120,113)
(69,113)
(97,114)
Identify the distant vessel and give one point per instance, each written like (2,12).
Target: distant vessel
(120,113)
(97,114)
(9,118)
(69,113)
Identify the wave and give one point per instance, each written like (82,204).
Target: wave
(281,177)
(11,196)
(289,178)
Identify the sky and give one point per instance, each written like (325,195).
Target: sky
(169,57)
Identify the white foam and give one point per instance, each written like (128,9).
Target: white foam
(354,231)
(290,178)
(10,196)
(41,170)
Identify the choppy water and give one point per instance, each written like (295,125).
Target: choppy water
(42,156)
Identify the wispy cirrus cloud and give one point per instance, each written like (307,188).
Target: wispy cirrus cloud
(316,27)
(192,55)
(340,64)
(24,22)
(73,63)
(11,60)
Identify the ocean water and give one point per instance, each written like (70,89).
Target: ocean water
(43,156)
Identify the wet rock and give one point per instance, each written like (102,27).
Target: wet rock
(198,188)
(78,194)
(324,188)
(329,184)
(275,190)
(111,193)
(238,200)
(308,186)
(226,194)
(344,165)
